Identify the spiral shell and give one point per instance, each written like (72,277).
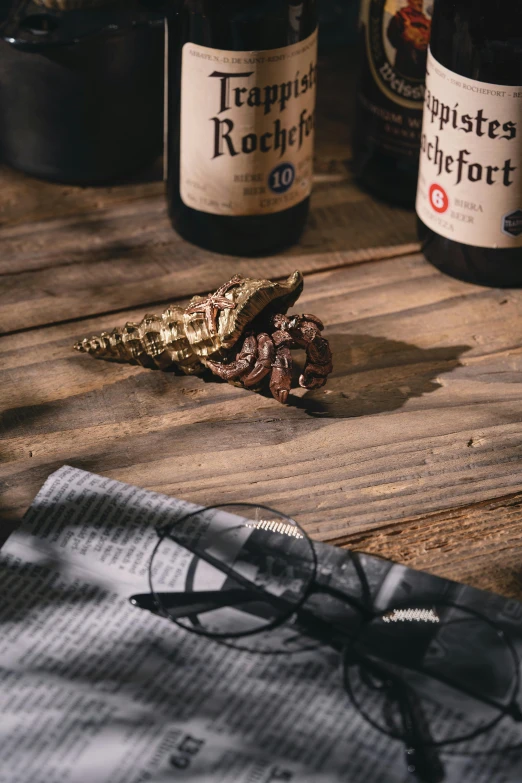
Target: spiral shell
(184,338)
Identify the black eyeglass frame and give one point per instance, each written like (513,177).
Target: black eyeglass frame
(512,710)
(367,614)
(163,533)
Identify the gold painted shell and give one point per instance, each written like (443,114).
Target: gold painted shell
(250,298)
(157,341)
(186,338)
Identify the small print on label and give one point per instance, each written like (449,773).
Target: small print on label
(512,223)
(470,173)
(247,128)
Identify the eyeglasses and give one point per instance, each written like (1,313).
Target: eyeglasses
(430,673)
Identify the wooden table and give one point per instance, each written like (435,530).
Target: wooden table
(413,451)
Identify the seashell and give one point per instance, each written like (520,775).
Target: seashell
(251,299)
(157,341)
(209,327)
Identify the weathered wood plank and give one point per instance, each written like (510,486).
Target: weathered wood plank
(75,252)
(65,269)
(25,201)
(407,426)
(419,426)
(480,544)
(60,295)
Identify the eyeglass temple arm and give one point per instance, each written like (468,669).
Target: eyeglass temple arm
(314,625)
(308,618)
(219,565)
(317,587)
(421,756)
(512,709)
(184,604)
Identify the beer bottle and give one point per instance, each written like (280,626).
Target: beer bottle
(392,51)
(240,130)
(469,199)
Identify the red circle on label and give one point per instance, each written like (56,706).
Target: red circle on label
(438,198)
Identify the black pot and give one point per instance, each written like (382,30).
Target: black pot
(81,92)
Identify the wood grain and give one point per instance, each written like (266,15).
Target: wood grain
(423,413)
(479,544)
(413,451)
(76,252)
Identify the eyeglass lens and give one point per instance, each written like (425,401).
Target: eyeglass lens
(446,655)
(241,569)
(260,561)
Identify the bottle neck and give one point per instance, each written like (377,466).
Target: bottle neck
(479,39)
(244,25)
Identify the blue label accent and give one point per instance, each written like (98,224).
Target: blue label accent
(281,179)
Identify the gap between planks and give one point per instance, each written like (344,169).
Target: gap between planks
(479,544)
(352,259)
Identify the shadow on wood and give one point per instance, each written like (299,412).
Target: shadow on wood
(21,419)
(373,375)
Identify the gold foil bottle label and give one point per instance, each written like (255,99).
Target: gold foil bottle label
(247,128)
(470,179)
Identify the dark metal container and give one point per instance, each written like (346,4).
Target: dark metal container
(81,92)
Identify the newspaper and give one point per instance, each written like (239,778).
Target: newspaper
(94,690)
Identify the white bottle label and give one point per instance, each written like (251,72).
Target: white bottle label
(470,178)
(247,128)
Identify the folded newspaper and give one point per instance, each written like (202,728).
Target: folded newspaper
(97,691)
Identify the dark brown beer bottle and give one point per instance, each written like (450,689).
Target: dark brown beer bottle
(393,45)
(241,102)
(469,199)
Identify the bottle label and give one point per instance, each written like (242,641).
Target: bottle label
(391,86)
(470,178)
(247,128)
